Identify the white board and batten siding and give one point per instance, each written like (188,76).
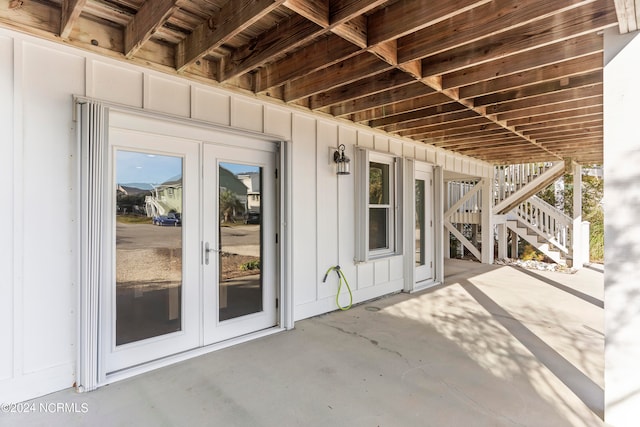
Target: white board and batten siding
(39,171)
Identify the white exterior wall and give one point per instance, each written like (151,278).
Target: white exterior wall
(622,229)
(38,168)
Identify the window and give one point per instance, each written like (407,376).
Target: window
(377,193)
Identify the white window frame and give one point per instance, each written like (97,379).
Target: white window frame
(363,160)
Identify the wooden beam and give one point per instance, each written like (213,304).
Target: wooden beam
(574,82)
(469,124)
(415,114)
(234,17)
(343,73)
(408,16)
(316,11)
(546,55)
(392,101)
(560,70)
(345,10)
(71,10)
(294,32)
(430,102)
(465,132)
(452,119)
(564,26)
(325,52)
(546,99)
(483,141)
(151,16)
(588,126)
(492,18)
(567,117)
(548,109)
(361,88)
(346,20)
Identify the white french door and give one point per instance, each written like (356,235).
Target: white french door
(191,245)
(239,241)
(151,292)
(424,236)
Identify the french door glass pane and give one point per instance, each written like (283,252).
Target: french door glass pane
(240,234)
(149,208)
(420,225)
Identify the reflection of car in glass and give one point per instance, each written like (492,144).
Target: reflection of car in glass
(252,217)
(171,219)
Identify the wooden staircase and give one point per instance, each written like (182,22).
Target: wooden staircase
(516,206)
(545,227)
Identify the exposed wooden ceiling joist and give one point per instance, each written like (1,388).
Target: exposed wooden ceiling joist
(495,79)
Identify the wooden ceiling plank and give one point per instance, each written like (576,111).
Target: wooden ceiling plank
(470,124)
(594,130)
(430,111)
(345,10)
(386,100)
(490,144)
(496,133)
(575,118)
(569,68)
(316,11)
(490,19)
(570,24)
(361,88)
(589,79)
(453,118)
(347,24)
(408,16)
(354,31)
(583,125)
(295,31)
(546,99)
(317,55)
(547,109)
(345,72)
(151,16)
(466,132)
(567,117)
(71,10)
(234,17)
(546,55)
(430,99)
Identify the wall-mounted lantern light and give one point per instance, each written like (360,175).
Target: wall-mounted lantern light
(343,163)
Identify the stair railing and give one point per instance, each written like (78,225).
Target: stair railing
(511,178)
(548,221)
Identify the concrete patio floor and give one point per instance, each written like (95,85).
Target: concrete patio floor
(493,346)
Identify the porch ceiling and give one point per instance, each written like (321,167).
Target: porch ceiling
(504,81)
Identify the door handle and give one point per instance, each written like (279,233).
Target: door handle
(206,250)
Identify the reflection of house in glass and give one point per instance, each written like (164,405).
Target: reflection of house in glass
(165,198)
(239,192)
(130,198)
(233,200)
(251,180)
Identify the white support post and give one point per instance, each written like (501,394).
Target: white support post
(446,240)
(576,236)
(514,245)
(622,236)
(487,221)
(502,241)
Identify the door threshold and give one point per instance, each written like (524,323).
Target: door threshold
(186,355)
(427,284)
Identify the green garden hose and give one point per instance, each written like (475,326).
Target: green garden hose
(341,276)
